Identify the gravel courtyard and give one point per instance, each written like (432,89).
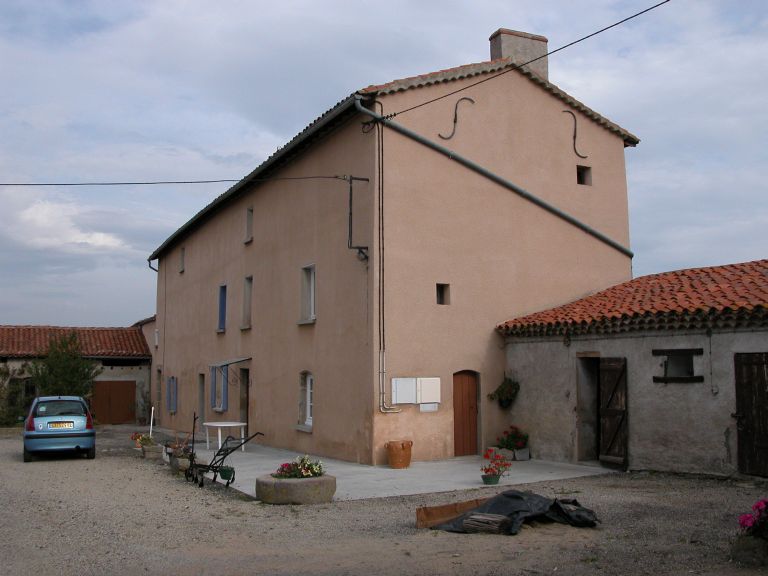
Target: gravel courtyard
(119,514)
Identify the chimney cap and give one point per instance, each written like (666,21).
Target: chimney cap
(518,33)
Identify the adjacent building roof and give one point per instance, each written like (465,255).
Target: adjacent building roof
(734,295)
(346,108)
(32,341)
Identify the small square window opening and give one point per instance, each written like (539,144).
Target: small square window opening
(584,175)
(444,294)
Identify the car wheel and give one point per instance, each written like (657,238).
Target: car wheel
(91,454)
(27,456)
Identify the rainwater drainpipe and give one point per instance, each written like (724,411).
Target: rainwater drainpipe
(149,263)
(491,176)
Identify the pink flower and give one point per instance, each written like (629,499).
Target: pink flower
(746,521)
(759,506)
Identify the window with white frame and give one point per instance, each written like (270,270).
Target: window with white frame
(306,401)
(247,298)
(248,225)
(308,291)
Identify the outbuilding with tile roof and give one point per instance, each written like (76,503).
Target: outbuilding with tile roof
(121,390)
(664,372)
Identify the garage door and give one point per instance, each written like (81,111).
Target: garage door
(114,402)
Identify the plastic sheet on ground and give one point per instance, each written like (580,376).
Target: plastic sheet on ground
(521,507)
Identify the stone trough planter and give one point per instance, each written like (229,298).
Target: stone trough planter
(317,490)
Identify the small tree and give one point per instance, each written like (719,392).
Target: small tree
(11,394)
(64,371)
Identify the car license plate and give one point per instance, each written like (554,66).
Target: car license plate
(59,425)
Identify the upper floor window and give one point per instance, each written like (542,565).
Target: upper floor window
(444,294)
(222,308)
(247,298)
(248,225)
(308,289)
(584,175)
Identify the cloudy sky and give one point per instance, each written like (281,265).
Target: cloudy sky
(106,90)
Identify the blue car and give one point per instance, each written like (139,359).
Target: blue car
(59,423)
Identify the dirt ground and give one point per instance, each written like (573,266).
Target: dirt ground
(119,514)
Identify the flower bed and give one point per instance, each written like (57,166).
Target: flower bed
(302,481)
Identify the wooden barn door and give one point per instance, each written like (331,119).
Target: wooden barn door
(752,412)
(465,390)
(114,402)
(613,411)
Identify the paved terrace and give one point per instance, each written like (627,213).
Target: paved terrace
(360,481)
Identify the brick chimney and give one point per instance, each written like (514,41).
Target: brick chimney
(521,47)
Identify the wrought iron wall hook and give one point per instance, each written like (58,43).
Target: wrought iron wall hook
(456,117)
(575,133)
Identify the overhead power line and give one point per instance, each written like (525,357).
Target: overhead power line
(518,66)
(159,182)
(390,115)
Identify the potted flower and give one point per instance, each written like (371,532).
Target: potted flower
(514,442)
(149,448)
(505,393)
(302,481)
(494,467)
(751,546)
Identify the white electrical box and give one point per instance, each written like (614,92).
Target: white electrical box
(404,391)
(415,390)
(427,390)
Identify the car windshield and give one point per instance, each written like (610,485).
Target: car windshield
(60,408)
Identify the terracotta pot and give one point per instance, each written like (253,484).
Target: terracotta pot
(399,453)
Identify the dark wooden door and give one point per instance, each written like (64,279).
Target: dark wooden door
(752,412)
(613,411)
(114,402)
(465,389)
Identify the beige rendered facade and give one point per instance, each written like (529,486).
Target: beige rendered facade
(324,300)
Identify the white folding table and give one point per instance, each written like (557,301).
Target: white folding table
(219,426)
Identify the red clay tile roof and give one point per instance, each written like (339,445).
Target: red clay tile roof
(32,341)
(720,296)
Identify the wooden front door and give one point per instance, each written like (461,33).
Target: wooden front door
(613,411)
(114,402)
(752,412)
(465,390)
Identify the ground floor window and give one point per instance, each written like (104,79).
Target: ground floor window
(305,399)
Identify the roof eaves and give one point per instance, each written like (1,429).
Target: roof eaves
(489,67)
(312,129)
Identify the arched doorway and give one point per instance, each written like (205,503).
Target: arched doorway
(465,394)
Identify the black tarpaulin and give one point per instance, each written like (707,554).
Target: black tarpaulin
(520,507)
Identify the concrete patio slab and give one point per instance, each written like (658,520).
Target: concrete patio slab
(360,481)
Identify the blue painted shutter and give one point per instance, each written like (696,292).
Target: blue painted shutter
(213,386)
